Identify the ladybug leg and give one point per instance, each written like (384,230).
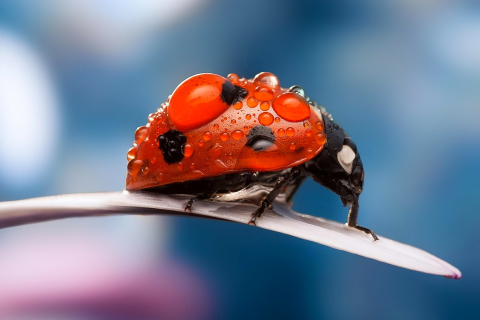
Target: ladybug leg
(282,182)
(258,212)
(204,196)
(352,221)
(189,204)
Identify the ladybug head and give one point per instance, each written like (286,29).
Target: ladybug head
(338,166)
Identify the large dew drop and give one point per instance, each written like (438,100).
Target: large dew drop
(263,93)
(224,136)
(268,79)
(291,107)
(290,132)
(265,118)
(187,150)
(141,134)
(237,134)
(252,102)
(207,135)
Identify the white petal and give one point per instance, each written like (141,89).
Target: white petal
(282,219)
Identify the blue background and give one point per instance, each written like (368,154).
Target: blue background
(402,77)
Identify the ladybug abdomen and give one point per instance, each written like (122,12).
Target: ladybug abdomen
(213,126)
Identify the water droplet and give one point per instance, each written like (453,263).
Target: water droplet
(298,90)
(309,150)
(180,166)
(248,117)
(335,126)
(237,134)
(187,150)
(206,94)
(134,167)
(200,143)
(230,156)
(207,135)
(290,132)
(233,121)
(192,166)
(307,125)
(215,126)
(159,177)
(224,136)
(238,105)
(151,117)
(264,106)
(308,133)
(319,125)
(154,159)
(145,170)
(233,78)
(291,107)
(281,132)
(263,93)
(292,147)
(265,118)
(268,79)
(131,154)
(252,102)
(320,139)
(277,119)
(141,134)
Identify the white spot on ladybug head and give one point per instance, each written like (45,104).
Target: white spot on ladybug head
(345,157)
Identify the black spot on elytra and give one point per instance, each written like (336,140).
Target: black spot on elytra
(231,94)
(260,138)
(240,93)
(172,143)
(228,92)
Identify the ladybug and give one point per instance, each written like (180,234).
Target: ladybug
(243,139)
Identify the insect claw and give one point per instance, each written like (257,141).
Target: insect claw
(368,231)
(256,215)
(189,205)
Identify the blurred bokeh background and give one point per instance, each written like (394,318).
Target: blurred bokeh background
(78,77)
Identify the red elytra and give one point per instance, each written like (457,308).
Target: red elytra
(217,132)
